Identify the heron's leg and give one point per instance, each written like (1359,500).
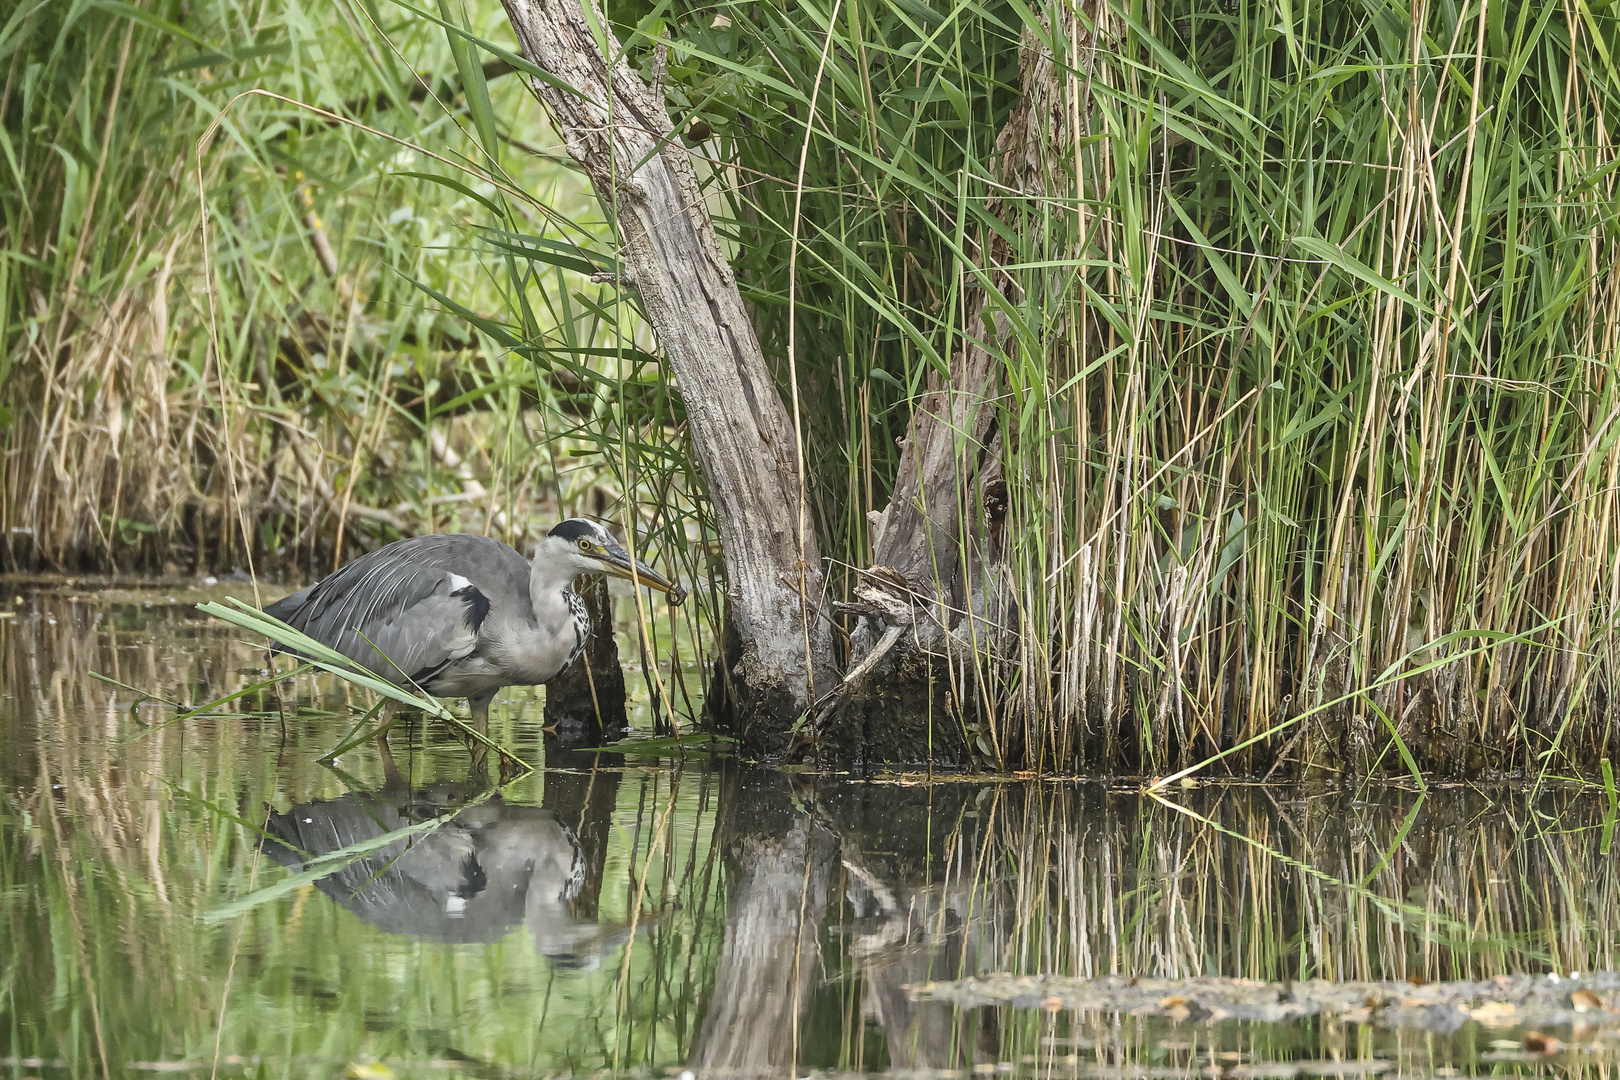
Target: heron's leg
(391,777)
(480,724)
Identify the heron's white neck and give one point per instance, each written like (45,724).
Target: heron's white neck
(548,581)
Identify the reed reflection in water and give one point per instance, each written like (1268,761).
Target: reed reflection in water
(626,914)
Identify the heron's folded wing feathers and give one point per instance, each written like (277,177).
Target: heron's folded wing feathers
(418,641)
(399,612)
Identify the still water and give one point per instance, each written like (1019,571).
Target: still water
(205,897)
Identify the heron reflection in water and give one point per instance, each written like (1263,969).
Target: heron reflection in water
(492,866)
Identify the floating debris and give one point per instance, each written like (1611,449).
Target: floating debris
(1506,1001)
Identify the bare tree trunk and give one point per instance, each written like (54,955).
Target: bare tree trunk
(586,700)
(930,605)
(617,128)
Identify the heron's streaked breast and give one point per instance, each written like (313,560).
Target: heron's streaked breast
(582,627)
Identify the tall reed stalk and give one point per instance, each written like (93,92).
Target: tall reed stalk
(1306,333)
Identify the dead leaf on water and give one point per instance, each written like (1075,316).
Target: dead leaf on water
(1585,1001)
(1537,1043)
(1495,1014)
(375,1070)
(1344,1068)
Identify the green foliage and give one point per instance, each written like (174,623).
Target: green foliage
(290,363)
(1302,319)
(905,121)
(1305,332)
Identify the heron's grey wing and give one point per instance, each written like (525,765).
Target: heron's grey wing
(419,886)
(288,604)
(403,611)
(418,640)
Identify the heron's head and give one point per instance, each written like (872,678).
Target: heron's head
(587,548)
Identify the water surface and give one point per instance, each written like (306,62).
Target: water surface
(169,900)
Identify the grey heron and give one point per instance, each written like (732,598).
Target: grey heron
(489,868)
(462,615)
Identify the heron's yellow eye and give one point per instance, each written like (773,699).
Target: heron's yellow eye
(584,545)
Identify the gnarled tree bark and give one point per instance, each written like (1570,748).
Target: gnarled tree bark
(619,131)
(930,606)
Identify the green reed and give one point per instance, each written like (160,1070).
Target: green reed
(1302,319)
(285,380)
(1305,334)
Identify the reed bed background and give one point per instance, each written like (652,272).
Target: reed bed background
(1304,415)
(1304,408)
(288,370)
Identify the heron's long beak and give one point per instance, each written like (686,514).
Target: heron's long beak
(617,562)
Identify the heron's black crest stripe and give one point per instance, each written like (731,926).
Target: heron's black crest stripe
(477,605)
(576,529)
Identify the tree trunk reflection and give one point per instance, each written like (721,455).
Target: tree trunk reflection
(779,865)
